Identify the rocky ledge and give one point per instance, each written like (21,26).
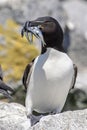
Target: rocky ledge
(13,117)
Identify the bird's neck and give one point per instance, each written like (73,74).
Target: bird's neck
(57,47)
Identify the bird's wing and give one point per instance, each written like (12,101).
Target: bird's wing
(74,76)
(1,73)
(27,74)
(5,89)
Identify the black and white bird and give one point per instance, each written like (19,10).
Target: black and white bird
(51,75)
(4,88)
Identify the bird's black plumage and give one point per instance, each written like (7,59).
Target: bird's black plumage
(4,88)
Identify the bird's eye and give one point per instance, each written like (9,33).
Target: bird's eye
(49,24)
(48,27)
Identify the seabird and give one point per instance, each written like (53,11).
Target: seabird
(4,89)
(50,76)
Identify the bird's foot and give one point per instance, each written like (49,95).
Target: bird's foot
(33,119)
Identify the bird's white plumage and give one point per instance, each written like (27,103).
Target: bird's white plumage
(50,82)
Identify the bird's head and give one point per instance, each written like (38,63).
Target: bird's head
(47,30)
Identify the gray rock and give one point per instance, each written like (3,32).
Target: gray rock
(76,11)
(23,10)
(5,13)
(13,117)
(33,9)
(78,49)
(76,120)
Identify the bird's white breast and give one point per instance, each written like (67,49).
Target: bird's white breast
(50,81)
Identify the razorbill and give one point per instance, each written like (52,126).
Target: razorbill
(50,76)
(4,89)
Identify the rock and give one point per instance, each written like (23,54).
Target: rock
(5,13)
(23,10)
(54,9)
(82,81)
(71,120)
(13,117)
(75,11)
(78,47)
